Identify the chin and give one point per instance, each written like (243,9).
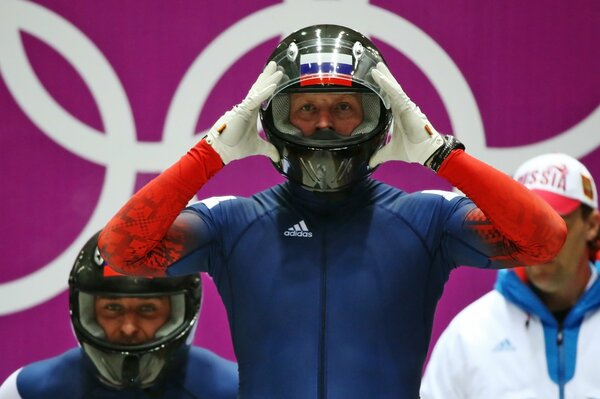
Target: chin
(541,273)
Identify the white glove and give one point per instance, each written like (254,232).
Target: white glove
(234,135)
(413,137)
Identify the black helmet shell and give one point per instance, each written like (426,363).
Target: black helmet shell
(326,59)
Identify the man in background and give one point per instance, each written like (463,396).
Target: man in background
(135,338)
(536,334)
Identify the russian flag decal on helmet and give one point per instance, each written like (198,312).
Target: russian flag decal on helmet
(326,68)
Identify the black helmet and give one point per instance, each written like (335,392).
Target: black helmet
(326,59)
(137,365)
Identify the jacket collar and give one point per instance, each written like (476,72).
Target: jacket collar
(514,289)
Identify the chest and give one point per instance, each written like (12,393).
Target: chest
(369,254)
(549,361)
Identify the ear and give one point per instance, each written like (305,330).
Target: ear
(593,225)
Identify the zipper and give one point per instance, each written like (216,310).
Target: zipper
(321,381)
(561,363)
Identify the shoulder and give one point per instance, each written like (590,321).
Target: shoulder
(230,204)
(210,204)
(484,313)
(476,311)
(8,389)
(491,301)
(391,196)
(442,199)
(64,375)
(210,375)
(201,358)
(428,212)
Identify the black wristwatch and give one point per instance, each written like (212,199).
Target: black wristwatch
(437,158)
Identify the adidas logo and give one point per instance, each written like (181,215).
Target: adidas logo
(298,230)
(504,345)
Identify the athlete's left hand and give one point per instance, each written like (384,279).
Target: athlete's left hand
(414,138)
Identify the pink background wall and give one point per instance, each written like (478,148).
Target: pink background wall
(96,97)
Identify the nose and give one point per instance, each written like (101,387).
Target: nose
(129,325)
(325,121)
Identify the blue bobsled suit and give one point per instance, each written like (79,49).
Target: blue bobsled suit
(331,298)
(72,376)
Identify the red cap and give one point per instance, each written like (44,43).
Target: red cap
(562,205)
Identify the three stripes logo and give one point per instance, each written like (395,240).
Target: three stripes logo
(298,230)
(503,346)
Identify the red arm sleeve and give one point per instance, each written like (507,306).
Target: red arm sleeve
(529,230)
(141,237)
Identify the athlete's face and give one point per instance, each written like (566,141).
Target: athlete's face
(571,263)
(131,321)
(340,112)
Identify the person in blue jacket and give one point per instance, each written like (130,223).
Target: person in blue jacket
(330,280)
(135,336)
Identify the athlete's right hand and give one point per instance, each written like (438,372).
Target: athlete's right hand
(234,135)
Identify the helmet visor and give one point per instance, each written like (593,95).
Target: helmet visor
(126,336)
(131,323)
(327,97)
(323,120)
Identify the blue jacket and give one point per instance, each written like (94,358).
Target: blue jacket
(331,299)
(72,376)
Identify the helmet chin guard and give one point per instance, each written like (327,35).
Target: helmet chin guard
(321,61)
(326,169)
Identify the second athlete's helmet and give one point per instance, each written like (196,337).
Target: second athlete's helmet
(138,365)
(326,59)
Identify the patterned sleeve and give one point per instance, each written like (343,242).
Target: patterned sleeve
(147,234)
(513,224)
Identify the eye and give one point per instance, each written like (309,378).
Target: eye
(307,108)
(344,107)
(146,308)
(113,307)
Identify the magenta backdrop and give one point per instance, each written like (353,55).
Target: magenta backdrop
(510,78)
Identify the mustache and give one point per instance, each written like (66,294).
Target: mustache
(129,340)
(326,134)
